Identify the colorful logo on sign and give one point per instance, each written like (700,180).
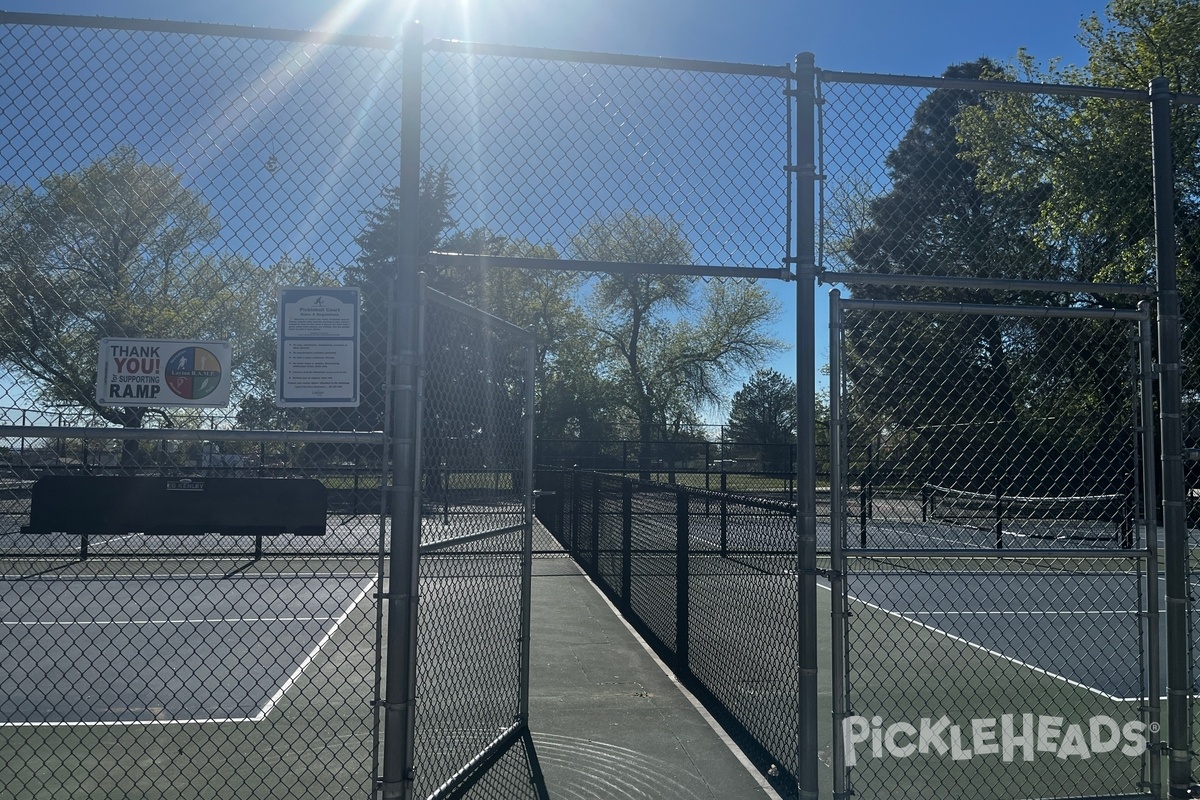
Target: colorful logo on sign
(193,373)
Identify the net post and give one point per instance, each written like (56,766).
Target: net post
(999,528)
(83,547)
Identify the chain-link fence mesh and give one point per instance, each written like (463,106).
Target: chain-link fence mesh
(993,678)
(541,146)
(473,628)
(983,428)
(973,189)
(163,184)
(162,181)
(980,430)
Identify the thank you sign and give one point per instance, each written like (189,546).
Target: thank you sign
(163,372)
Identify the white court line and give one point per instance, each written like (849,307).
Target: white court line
(177,577)
(1047,613)
(1002,656)
(94,542)
(183,621)
(266,709)
(257,717)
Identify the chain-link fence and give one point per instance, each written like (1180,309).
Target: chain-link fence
(472,686)
(195,587)
(996,499)
(162,182)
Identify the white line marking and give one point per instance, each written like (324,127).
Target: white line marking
(337,623)
(975,645)
(183,621)
(150,577)
(1046,613)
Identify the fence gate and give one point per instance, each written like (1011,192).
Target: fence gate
(995,606)
(475,555)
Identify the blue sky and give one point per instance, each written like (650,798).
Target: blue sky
(915,38)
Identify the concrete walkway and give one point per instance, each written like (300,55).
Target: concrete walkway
(607,719)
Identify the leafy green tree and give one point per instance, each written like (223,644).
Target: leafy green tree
(121,248)
(667,344)
(948,389)
(1091,159)
(762,419)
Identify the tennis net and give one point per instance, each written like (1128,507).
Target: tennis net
(1088,518)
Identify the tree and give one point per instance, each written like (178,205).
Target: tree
(1091,159)
(121,248)
(762,419)
(373,271)
(947,389)
(668,344)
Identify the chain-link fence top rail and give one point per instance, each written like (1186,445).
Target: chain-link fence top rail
(163,180)
(539,145)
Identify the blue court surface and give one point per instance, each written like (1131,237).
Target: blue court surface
(144,649)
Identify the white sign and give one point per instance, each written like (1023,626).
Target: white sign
(317,359)
(163,372)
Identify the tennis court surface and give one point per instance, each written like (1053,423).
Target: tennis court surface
(130,648)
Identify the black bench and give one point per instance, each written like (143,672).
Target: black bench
(159,506)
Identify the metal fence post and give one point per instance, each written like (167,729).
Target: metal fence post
(1179,740)
(400,683)
(573,536)
(837,571)
(626,541)
(527,543)
(595,541)
(682,541)
(1149,509)
(806,461)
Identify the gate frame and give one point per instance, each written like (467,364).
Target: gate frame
(839,486)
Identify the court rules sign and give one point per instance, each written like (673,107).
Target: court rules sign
(163,373)
(317,360)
